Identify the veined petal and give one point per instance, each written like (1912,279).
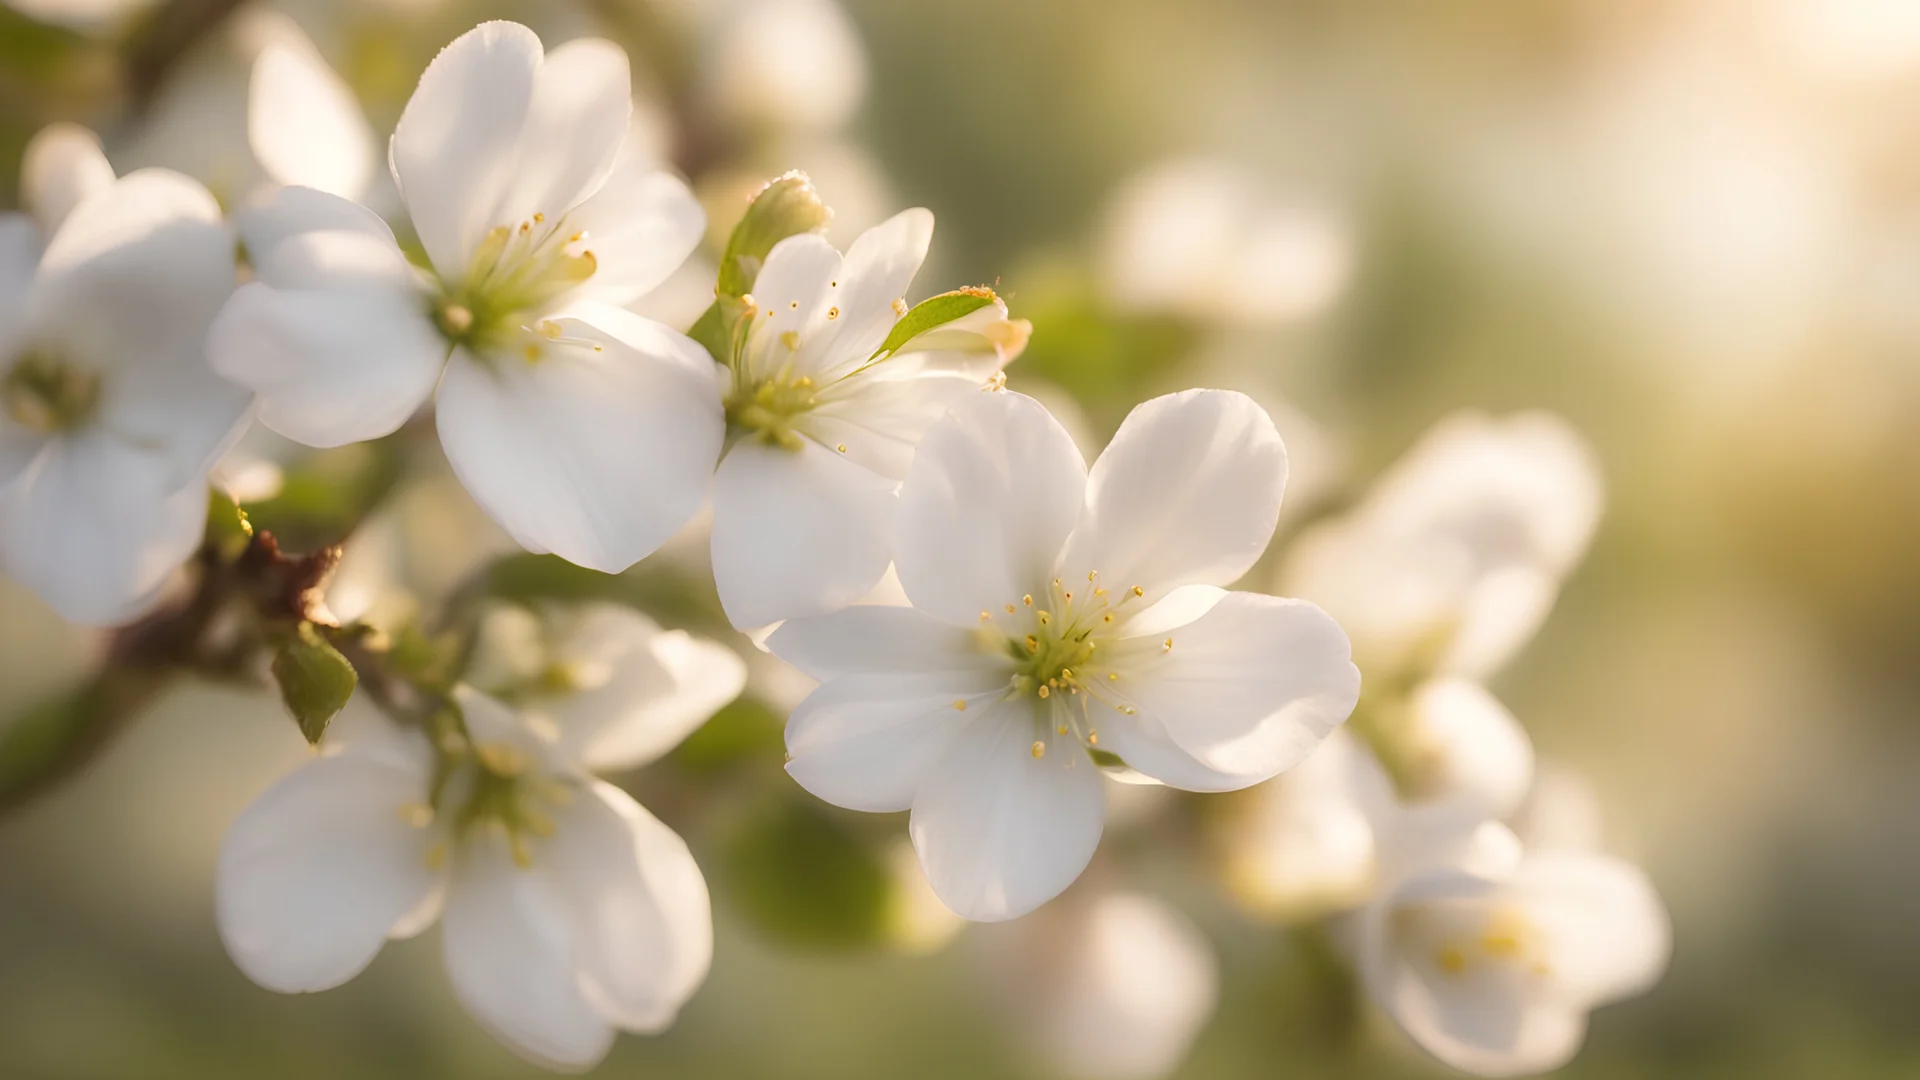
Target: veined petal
(641,225)
(576,121)
(992,495)
(91,531)
(796,533)
(643,922)
(512,943)
(1000,828)
(304,124)
(658,687)
(321,869)
(1249,689)
(870,741)
(1187,492)
(136,271)
(329,367)
(63,165)
(456,149)
(877,640)
(596,452)
(880,416)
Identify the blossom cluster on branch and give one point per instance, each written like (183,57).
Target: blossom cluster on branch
(1000,632)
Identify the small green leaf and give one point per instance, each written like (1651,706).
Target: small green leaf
(786,207)
(934,311)
(1106,759)
(315,680)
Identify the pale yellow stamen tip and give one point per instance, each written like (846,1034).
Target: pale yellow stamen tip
(1451,960)
(539,217)
(842,448)
(1009,609)
(1138,591)
(960,705)
(533,353)
(1045,618)
(791,339)
(1128,710)
(501,759)
(899,306)
(1039,749)
(1093,738)
(986,616)
(418,815)
(1113,676)
(833,313)
(1169,644)
(1106,618)
(1062,729)
(1045,692)
(1027,599)
(795,305)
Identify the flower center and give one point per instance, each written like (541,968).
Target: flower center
(490,792)
(1066,651)
(42,394)
(767,410)
(1460,941)
(517,272)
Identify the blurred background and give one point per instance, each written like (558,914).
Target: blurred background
(1692,227)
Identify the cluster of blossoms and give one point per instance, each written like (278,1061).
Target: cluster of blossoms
(1063,625)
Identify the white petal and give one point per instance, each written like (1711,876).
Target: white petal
(880,416)
(512,942)
(1608,932)
(869,741)
(90,529)
(796,533)
(19,256)
(878,640)
(321,869)
(456,149)
(1308,846)
(994,490)
(1248,690)
(329,367)
(999,830)
(644,923)
(293,211)
(596,456)
(794,291)
(582,98)
(1187,492)
(658,687)
(136,271)
(62,166)
(641,225)
(305,125)
(1486,1016)
(175,409)
(877,270)
(1474,751)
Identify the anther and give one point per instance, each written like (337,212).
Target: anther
(1045,692)
(833,313)
(1044,617)
(1039,749)
(959,704)
(1093,737)
(899,307)
(1138,591)
(842,448)
(1027,599)
(538,217)
(1010,609)
(986,616)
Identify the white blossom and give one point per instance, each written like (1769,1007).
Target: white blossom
(1112,986)
(1494,969)
(1059,614)
(569,912)
(583,429)
(824,422)
(109,415)
(1456,555)
(784,65)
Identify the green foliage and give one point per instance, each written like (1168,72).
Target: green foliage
(315,680)
(746,730)
(935,311)
(801,877)
(786,207)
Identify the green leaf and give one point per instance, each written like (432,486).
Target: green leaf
(786,207)
(803,877)
(315,680)
(935,311)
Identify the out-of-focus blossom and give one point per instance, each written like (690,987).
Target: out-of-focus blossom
(1861,40)
(826,412)
(583,429)
(1115,986)
(1065,620)
(304,124)
(1199,238)
(109,416)
(619,690)
(569,912)
(1456,555)
(784,65)
(80,14)
(1494,969)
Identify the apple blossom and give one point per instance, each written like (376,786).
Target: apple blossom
(583,429)
(1063,620)
(833,383)
(568,911)
(1456,555)
(109,415)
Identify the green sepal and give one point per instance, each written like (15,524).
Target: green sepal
(786,207)
(933,312)
(315,680)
